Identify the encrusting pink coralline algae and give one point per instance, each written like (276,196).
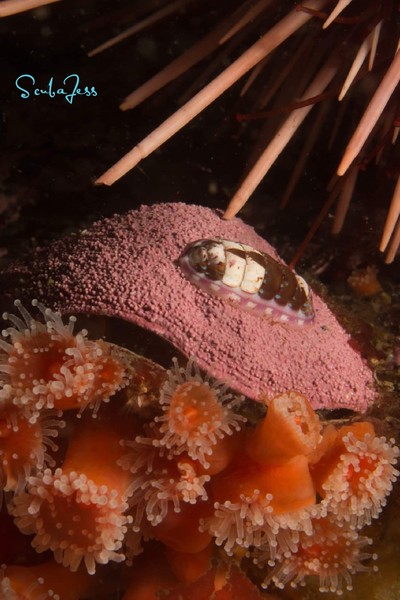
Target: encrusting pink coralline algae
(126,266)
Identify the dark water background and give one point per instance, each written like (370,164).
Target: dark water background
(52,151)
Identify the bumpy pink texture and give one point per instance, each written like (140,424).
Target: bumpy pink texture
(125,266)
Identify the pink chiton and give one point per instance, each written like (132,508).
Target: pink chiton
(249,279)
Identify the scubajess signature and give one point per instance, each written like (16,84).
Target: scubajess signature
(68,88)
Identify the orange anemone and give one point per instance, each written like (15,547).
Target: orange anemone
(46,580)
(181,531)
(190,566)
(48,366)
(356,474)
(331,448)
(197,412)
(151,575)
(165,486)
(333,553)
(365,282)
(219,583)
(24,444)
(254,501)
(77,511)
(290,427)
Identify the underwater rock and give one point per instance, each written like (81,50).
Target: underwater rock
(126,267)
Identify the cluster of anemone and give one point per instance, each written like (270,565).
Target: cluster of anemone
(48,377)
(299,494)
(188,482)
(44,365)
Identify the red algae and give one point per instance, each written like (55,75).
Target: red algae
(125,267)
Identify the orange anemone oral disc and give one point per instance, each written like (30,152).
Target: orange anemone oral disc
(197,412)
